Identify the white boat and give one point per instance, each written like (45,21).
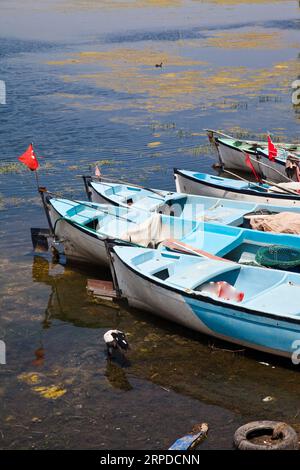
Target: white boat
(241,304)
(194,182)
(231,153)
(84,227)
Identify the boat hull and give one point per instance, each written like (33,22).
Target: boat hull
(189,185)
(99,199)
(234,159)
(79,245)
(249,330)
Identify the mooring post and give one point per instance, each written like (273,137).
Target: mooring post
(42,190)
(86,180)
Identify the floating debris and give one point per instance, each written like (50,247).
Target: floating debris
(268,398)
(191,440)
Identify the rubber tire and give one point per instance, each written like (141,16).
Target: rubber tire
(289,441)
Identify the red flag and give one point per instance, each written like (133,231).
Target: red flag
(97,172)
(251,166)
(271,149)
(29,159)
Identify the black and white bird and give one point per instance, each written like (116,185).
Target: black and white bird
(115,340)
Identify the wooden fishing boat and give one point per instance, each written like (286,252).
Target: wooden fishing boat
(84,227)
(242,304)
(125,195)
(194,182)
(231,153)
(208,209)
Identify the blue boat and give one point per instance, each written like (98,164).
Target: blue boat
(209,209)
(194,182)
(260,308)
(83,228)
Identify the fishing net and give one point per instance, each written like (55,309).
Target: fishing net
(277,256)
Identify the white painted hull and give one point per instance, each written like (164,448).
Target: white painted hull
(186,185)
(234,159)
(96,197)
(144,295)
(78,245)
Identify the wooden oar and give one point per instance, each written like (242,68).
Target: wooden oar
(270,183)
(290,191)
(243,179)
(185,248)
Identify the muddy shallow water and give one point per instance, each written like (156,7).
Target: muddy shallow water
(83,86)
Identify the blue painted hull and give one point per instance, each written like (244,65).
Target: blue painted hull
(259,332)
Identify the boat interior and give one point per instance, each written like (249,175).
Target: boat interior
(130,195)
(194,273)
(139,227)
(207,209)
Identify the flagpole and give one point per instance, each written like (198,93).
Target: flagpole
(37,179)
(36,174)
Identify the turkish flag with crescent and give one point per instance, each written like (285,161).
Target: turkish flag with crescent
(29,159)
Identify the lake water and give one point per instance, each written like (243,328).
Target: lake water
(82,85)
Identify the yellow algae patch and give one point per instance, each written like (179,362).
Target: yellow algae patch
(239,2)
(116,4)
(188,89)
(129,57)
(153,144)
(182,83)
(52,392)
(249,40)
(30,378)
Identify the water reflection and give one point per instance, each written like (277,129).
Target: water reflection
(68,299)
(169,355)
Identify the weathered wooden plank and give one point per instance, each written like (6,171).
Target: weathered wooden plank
(101,288)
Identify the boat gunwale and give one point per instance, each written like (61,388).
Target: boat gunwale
(251,192)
